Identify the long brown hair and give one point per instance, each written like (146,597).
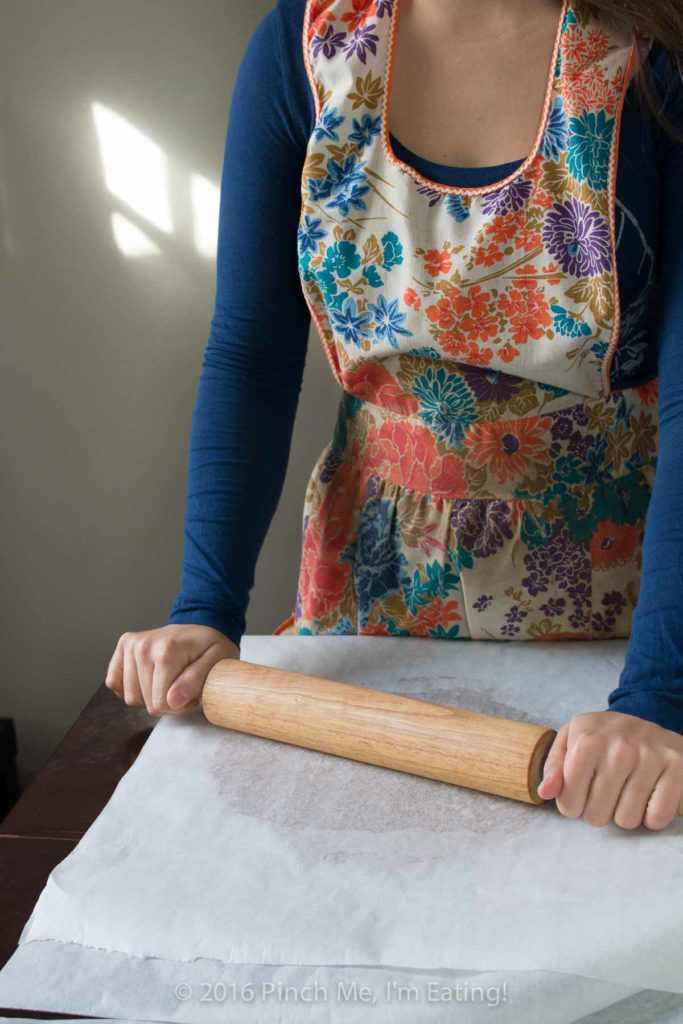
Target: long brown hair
(660,21)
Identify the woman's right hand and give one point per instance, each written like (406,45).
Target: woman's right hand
(165,669)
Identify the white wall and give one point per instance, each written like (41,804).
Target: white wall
(100,349)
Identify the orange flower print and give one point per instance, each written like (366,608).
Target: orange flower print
(466,351)
(508,352)
(361,11)
(505,226)
(437,262)
(527,239)
(613,544)
(552,268)
(525,307)
(648,392)
(322,580)
(407,455)
(334,518)
(574,50)
(589,90)
(321,17)
(487,255)
(438,612)
(528,270)
(477,321)
(597,43)
(411,298)
(372,382)
(508,447)
(465,313)
(544,199)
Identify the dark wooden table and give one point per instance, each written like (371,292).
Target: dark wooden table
(59,805)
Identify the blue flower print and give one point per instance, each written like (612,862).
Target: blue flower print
(341,258)
(371,275)
(446,403)
(343,181)
(329,289)
(556,136)
(327,124)
(364,130)
(459,210)
(309,233)
(348,185)
(389,320)
(350,323)
(376,556)
(589,147)
(392,250)
(564,323)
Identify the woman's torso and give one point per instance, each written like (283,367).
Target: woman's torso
(491,465)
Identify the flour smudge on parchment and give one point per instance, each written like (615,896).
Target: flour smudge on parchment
(298,788)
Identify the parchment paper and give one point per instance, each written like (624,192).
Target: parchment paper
(258,857)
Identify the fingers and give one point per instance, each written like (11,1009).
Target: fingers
(617,767)
(616,764)
(145,669)
(553,774)
(146,666)
(114,676)
(131,684)
(665,800)
(170,659)
(190,683)
(580,766)
(631,805)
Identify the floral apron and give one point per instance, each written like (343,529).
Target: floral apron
(484,480)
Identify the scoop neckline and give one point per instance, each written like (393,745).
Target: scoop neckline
(386,135)
(431,167)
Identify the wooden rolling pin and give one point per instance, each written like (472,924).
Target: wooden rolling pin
(495,755)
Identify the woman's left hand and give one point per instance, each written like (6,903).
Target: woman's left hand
(606,766)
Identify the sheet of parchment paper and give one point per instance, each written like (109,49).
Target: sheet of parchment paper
(217,846)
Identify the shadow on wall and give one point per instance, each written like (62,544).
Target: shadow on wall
(112,126)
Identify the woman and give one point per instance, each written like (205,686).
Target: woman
(496,440)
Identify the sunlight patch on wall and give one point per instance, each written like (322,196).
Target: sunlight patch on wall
(130,239)
(135,167)
(136,172)
(205,198)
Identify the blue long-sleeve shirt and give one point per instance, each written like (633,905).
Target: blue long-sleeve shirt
(253,364)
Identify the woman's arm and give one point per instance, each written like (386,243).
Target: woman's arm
(626,764)
(254,359)
(651,683)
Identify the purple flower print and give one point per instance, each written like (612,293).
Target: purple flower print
(333,461)
(562,428)
(567,564)
(481,524)
(482,602)
(362,39)
(490,385)
(508,198)
(614,603)
(328,44)
(553,606)
(578,237)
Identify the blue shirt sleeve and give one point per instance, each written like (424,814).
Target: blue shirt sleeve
(254,359)
(651,682)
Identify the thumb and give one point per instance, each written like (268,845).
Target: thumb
(553,775)
(188,686)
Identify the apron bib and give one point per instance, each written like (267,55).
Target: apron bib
(484,479)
